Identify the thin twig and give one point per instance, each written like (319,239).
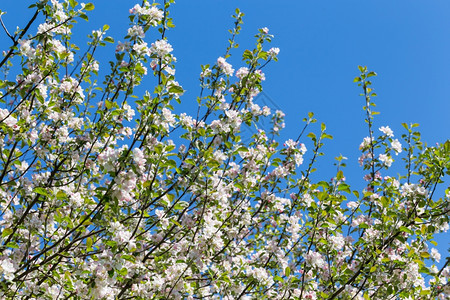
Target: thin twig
(6,30)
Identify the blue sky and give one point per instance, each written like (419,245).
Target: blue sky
(407,42)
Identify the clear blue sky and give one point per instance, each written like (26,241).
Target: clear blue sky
(407,42)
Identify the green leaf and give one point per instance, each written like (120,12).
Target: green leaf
(247,55)
(67,275)
(108,104)
(12,245)
(176,89)
(41,191)
(6,232)
(447,146)
(287,271)
(405,229)
(129,258)
(109,39)
(327,136)
(312,136)
(278,278)
(175,222)
(345,188)
(73,3)
(89,243)
(89,6)
(61,195)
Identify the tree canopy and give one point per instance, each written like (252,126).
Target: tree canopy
(110,193)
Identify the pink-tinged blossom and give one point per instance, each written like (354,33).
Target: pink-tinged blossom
(23,166)
(26,49)
(386,160)
(46,28)
(337,241)
(261,275)
(234,118)
(161,48)
(242,72)
(207,72)
(314,259)
(59,10)
(392,182)
(294,227)
(109,158)
(273,52)
(387,131)
(136,31)
(169,71)
(98,34)
(255,109)
(261,75)
(278,121)
(34,77)
(365,143)
(186,120)
(62,134)
(152,12)
(225,67)
(396,146)
(412,275)
(72,86)
(93,66)
(371,234)
(281,203)
(361,219)
(435,254)
(169,118)
(310,295)
(219,156)
(266,111)
(60,49)
(43,90)
(7,118)
(125,184)
(7,268)
(444,227)
(138,157)
(233,170)
(413,190)
(307,199)
(121,47)
(128,112)
(290,144)
(141,48)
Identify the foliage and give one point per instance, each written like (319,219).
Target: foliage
(107,193)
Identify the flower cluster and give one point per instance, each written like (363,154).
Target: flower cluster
(108,192)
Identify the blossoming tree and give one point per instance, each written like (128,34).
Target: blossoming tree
(107,193)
